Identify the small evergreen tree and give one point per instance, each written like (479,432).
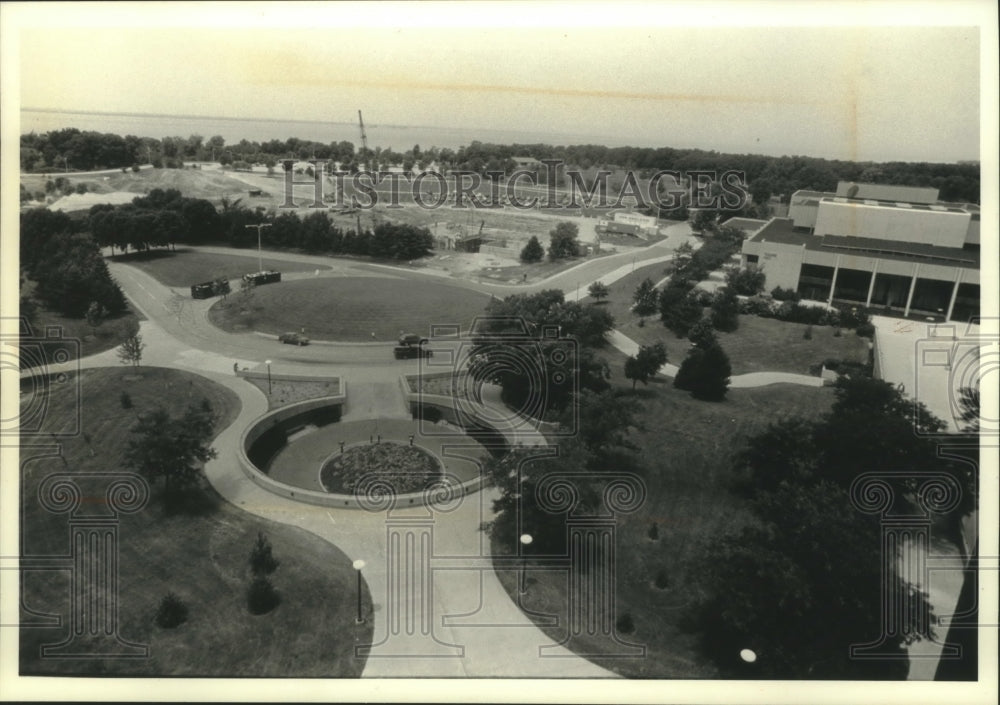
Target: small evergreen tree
(261,596)
(533,251)
(261,560)
(702,333)
(726,310)
(172,612)
(705,373)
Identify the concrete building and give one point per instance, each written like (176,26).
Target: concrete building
(916,256)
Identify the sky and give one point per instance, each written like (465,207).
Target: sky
(865,93)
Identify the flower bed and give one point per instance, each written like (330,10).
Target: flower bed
(406,468)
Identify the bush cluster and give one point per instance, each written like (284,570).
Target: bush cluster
(172,612)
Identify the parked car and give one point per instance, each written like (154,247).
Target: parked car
(293,339)
(409,352)
(265,277)
(411,339)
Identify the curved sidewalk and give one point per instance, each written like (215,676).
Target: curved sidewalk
(745,381)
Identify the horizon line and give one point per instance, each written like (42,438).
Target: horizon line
(65,111)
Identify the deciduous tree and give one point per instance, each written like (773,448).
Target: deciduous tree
(644,365)
(562,241)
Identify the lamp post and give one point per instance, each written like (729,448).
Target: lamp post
(526,540)
(260,258)
(268,363)
(358,565)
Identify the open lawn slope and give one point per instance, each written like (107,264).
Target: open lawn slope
(687,448)
(199,553)
(350,308)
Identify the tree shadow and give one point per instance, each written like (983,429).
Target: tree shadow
(198,501)
(151,254)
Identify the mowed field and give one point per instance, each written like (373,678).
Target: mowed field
(195,183)
(758,345)
(200,554)
(350,308)
(687,448)
(185,266)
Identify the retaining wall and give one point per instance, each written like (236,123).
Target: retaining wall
(274,419)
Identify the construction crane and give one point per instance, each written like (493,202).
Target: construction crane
(364,139)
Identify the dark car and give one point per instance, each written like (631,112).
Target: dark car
(408,352)
(411,339)
(293,339)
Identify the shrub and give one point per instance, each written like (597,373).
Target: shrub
(654,532)
(747,282)
(757,306)
(261,596)
(726,310)
(705,373)
(533,251)
(662,580)
(866,330)
(261,560)
(785,294)
(172,612)
(702,334)
(808,333)
(126,400)
(624,624)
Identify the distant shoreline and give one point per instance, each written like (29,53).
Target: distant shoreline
(351,124)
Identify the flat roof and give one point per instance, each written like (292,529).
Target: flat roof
(935,208)
(783,231)
(887,192)
(805,193)
(744,223)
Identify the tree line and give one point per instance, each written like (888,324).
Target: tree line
(165,218)
(72,149)
(67,265)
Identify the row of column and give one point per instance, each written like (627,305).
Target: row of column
(909,297)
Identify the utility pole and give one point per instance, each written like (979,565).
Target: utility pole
(260,257)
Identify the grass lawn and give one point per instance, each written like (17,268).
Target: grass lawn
(350,308)
(687,447)
(758,345)
(201,555)
(78,338)
(195,183)
(186,267)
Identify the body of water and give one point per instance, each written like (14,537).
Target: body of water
(399,137)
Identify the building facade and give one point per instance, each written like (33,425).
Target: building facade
(912,255)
